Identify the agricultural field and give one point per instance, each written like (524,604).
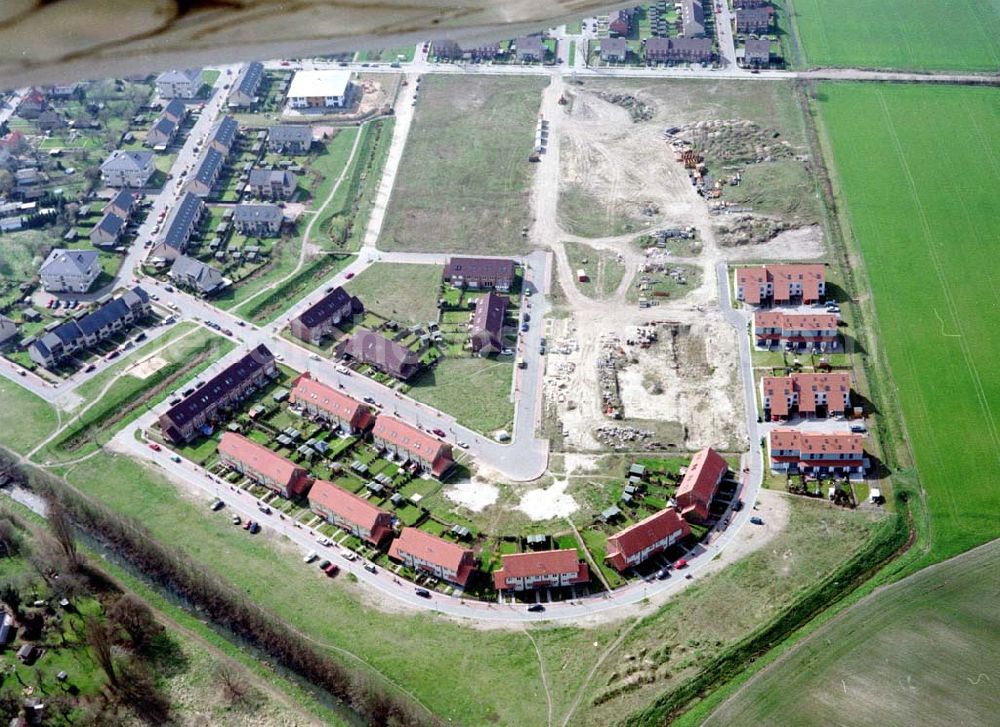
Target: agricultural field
(918,170)
(402,292)
(933,636)
(464,177)
(917,34)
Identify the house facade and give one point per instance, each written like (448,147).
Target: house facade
(480,273)
(272,183)
(795,330)
(678,50)
(179,83)
(700,483)
(244,93)
(258,220)
(180,225)
(321,318)
(427,553)
(350,512)
(753,20)
(692,19)
(70,271)
(290,138)
(638,543)
(486,331)
(108,230)
(182,422)
(620,22)
(614,50)
(162,132)
(207,174)
(329,405)
(544,569)
(780,284)
(127,169)
(411,444)
(195,275)
(529,49)
(819,453)
(263,466)
(320,89)
(223,135)
(809,395)
(757,53)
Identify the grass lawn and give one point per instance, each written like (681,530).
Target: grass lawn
(464,177)
(583,213)
(403,292)
(918,171)
(284,257)
(663,284)
(449,386)
(326,167)
(266,308)
(603,269)
(35,419)
(933,636)
(916,34)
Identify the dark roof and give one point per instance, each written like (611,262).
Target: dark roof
(123,200)
(290,132)
(181,220)
(692,17)
(268,176)
(614,46)
(111,223)
(255,212)
(758,48)
(369,347)
(757,15)
(208,170)
(488,318)
(176,108)
(220,385)
(204,277)
(323,310)
(164,126)
(678,46)
(250,79)
(112,311)
(479,267)
(224,132)
(530,44)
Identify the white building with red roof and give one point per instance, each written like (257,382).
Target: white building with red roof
(428,553)
(263,466)
(410,443)
(350,512)
(780,284)
(330,405)
(637,543)
(700,483)
(544,569)
(792,450)
(795,329)
(810,395)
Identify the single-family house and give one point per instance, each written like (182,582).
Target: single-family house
(620,22)
(614,50)
(541,569)
(108,230)
(195,275)
(263,466)
(529,49)
(33,103)
(321,318)
(411,444)
(8,330)
(50,120)
(700,483)
(757,53)
(426,553)
(350,512)
(652,535)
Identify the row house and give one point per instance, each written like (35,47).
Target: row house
(108,231)
(223,135)
(244,93)
(426,553)
(638,543)
(263,466)
(123,204)
(480,273)
(795,330)
(818,453)
(692,19)
(753,20)
(412,444)
(368,347)
(827,394)
(178,229)
(678,50)
(322,317)
(109,318)
(545,569)
(700,483)
(127,169)
(272,183)
(290,138)
(486,332)
(258,220)
(329,405)
(162,133)
(780,284)
(350,512)
(207,174)
(446,49)
(184,420)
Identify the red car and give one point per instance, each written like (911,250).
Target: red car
(439,432)
(331,570)
(154,446)
(349,276)
(247,524)
(681,564)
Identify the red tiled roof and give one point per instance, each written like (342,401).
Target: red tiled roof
(261,459)
(787,321)
(417,443)
(835,384)
(542,563)
(309,391)
(636,538)
(817,442)
(751,279)
(778,389)
(434,550)
(700,482)
(809,276)
(350,507)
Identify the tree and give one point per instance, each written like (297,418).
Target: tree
(234,687)
(6,182)
(62,530)
(136,619)
(137,690)
(10,538)
(10,596)
(98,639)
(10,704)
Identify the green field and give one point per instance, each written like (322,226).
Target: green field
(603,269)
(464,177)
(35,419)
(919,172)
(910,34)
(449,384)
(921,651)
(402,292)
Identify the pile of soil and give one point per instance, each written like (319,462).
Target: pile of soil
(638,109)
(749,230)
(735,141)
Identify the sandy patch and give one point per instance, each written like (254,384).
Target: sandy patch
(802,243)
(294,210)
(473,495)
(548,503)
(147,367)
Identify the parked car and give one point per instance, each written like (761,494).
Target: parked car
(858,428)
(248,524)
(341,369)
(524,328)
(536,608)
(680,564)
(439,432)
(89,369)
(756,520)
(255,528)
(350,557)
(348,276)
(423,592)
(331,570)
(370,567)
(463,445)
(264,509)
(310,557)
(155,447)
(218,505)
(369,399)
(738,506)
(175,458)
(663,574)
(237,519)
(324,564)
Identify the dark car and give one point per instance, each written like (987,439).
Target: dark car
(663,574)
(255,528)
(756,521)
(423,593)
(439,432)
(536,608)
(324,564)
(738,506)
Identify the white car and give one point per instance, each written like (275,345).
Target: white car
(314,357)
(343,370)
(310,557)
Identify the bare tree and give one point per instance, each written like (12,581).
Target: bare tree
(10,596)
(62,530)
(234,687)
(99,640)
(136,619)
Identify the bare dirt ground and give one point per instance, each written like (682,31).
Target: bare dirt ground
(147,367)
(802,243)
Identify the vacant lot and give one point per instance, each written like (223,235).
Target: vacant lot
(464,178)
(476,391)
(919,171)
(933,636)
(916,34)
(604,269)
(402,292)
(26,419)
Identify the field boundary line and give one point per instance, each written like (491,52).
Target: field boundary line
(541,671)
